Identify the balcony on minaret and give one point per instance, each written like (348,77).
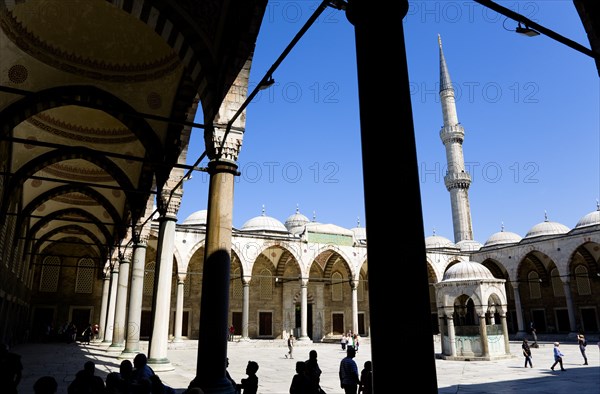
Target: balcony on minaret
(452,133)
(457,180)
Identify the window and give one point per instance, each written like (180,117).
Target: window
(49,276)
(84,282)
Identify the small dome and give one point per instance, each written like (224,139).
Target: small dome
(437,241)
(197,218)
(591,219)
(467,270)
(547,228)
(469,245)
(264,223)
(295,223)
(503,238)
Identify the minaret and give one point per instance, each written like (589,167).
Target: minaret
(457,180)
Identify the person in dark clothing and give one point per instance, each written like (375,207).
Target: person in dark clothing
(349,372)
(11,370)
(249,385)
(366,379)
(86,382)
(313,371)
(526,353)
(300,382)
(45,385)
(87,334)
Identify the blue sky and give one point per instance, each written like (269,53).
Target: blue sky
(530,108)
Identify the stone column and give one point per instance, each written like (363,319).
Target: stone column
(442,323)
(451,335)
(136,293)
(214,309)
(103,307)
(303,309)
(118,339)
(374,25)
(485,346)
(245,306)
(570,308)
(519,309)
(112,299)
(354,289)
(159,341)
(505,333)
(179,309)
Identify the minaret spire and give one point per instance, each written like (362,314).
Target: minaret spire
(457,179)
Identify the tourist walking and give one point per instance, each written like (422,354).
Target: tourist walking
(558,357)
(527,353)
(290,345)
(349,372)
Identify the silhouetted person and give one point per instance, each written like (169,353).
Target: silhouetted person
(366,379)
(349,372)
(300,382)
(228,376)
(45,385)
(11,369)
(313,372)
(86,382)
(249,385)
(141,368)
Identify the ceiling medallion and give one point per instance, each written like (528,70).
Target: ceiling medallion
(18,73)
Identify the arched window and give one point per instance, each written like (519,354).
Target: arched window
(557,286)
(50,273)
(236,284)
(583,280)
(336,287)
(266,285)
(533,280)
(149,278)
(84,283)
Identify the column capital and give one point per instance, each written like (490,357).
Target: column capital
(167,204)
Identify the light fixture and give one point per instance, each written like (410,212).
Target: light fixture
(267,84)
(527,31)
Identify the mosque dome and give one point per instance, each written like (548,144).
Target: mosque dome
(197,218)
(264,223)
(503,238)
(547,228)
(295,223)
(469,245)
(591,219)
(437,241)
(467,270)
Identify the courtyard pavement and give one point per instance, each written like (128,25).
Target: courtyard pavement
(275,372)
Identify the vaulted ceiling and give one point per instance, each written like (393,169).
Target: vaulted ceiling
(96,98)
